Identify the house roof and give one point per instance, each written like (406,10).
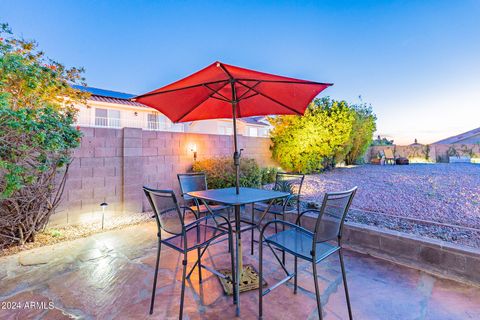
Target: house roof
(259,121)
(110,96)
(459,137)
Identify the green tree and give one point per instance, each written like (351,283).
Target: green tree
(364,126)
(315,141)
(37,136)
(329,132)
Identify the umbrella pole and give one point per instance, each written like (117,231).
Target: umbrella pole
(236,154)
(236,157)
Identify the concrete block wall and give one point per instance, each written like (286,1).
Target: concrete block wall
(438,257)
(112,165)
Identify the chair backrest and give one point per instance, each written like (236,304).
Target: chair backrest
(388,154)
(289,182)
(167,212)
(192,182)
(332,215)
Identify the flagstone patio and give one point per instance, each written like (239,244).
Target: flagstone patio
(109,276)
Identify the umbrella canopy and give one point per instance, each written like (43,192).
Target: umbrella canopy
(210,93)
(225,91)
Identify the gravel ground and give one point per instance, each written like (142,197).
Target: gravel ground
(443,193)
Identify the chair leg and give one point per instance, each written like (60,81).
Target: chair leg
(199,265)
(152,301)
(344,275)
(252,238)
(182,295)
(260,277)
(295,278)
(283,251)
(317,290)
(276,228)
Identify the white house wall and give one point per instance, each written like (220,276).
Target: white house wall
(86,117)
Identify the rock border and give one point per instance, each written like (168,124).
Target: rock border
(438,257)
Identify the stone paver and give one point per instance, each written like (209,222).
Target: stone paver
(109,276)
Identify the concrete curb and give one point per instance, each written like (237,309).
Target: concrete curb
(441,258)
(438,257)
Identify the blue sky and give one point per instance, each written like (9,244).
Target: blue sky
(416,62)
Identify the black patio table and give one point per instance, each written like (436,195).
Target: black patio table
(228,196)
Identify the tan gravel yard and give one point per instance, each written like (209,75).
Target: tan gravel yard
(441,193)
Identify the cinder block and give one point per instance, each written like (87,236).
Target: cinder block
(95,182)
(80,194)
(102,192)
(132,162)
(430,256)
(105,133)
(132,133)
(114,142)
(105,152)
(83,152)
(75,173)
(93,142)
(87,132)
(133,174)
(395,246)
(91,162)
(132,152)
(147,134)
(112,182)
(113,162)
(132,142)
(454,262)
(73,183)
(149,152)
(472,268)
(104,172)
(363,238)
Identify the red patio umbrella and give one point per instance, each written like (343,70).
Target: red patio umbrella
(225,91)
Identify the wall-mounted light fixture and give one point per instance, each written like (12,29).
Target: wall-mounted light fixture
(103,205)
(193,148)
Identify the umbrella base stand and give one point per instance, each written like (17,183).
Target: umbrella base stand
(248,282)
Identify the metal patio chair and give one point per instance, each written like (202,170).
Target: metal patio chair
(311,246)
(197,181)
(198,234)
(287,182)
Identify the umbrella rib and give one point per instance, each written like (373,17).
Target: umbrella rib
(221,99)
(183,88)
(225,70)
(216,91)
(270,98)
(197,105)
(289,81)
(245,93)
(252,95)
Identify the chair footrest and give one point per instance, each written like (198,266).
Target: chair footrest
(215,272)
(276,285)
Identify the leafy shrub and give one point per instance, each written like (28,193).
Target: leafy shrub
(221,172)
(329,132)
(268,174)
(36,136)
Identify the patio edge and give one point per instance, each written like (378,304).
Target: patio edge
(438,257)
